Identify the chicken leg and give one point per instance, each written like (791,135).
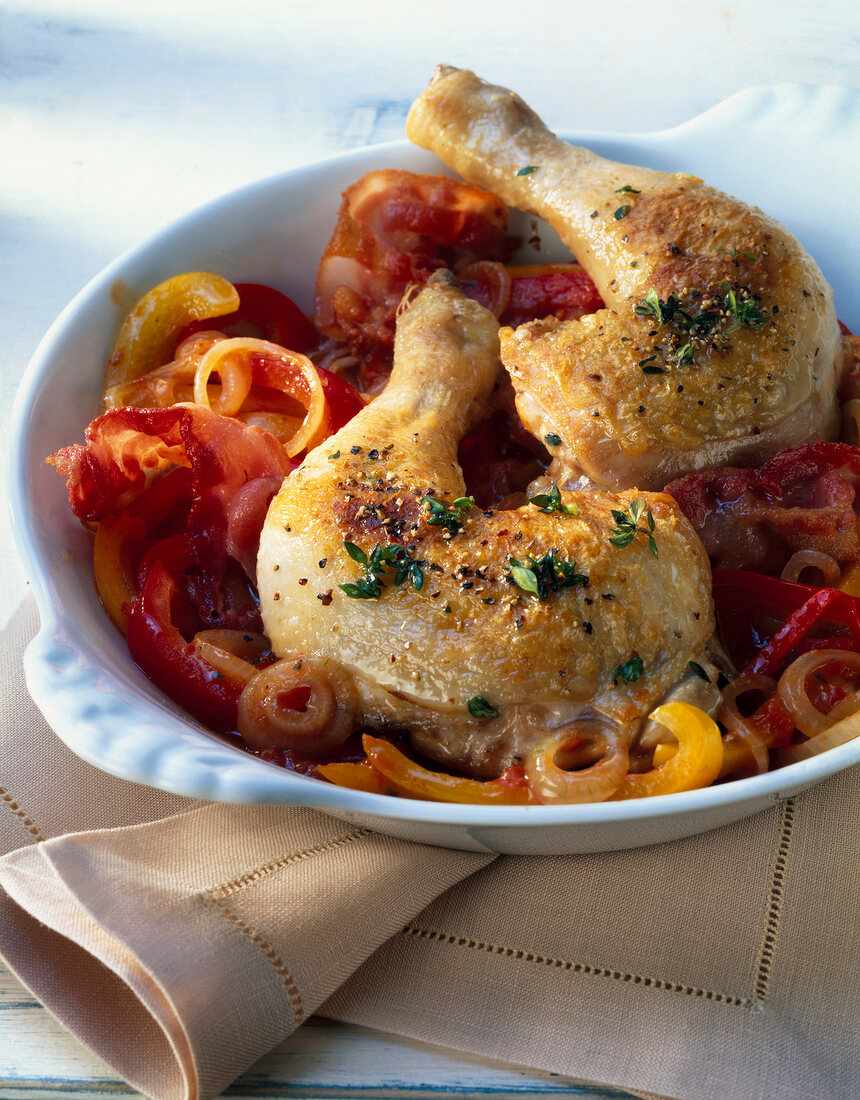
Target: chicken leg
(720,343)
(476,629)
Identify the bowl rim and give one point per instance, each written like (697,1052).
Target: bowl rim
(258,774)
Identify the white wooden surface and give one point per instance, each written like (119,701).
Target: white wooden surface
(118,116)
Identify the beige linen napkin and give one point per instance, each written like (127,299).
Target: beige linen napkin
(181,940)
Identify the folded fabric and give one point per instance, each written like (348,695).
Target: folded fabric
(181,940)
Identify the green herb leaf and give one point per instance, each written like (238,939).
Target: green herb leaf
(379,566)
(355,552)
(545,574)
(442,516)
(627,189)
(653,370)
(745,314)
(651,306)
(362,590)
(551,502)
(696,668)
(552,439)
(524,578)
(480,708)
(630,671)
(734,253)
(621,212)
(527,171)
(685,354)
(333,456)
(627,525)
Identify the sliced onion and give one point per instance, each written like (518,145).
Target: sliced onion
(231,361)
(494,276)
(812,559)
(551,784)
(792,689)
(744,745)
(838,734)
(298,703)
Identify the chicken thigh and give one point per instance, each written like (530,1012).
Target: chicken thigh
(477,630)
(719,344)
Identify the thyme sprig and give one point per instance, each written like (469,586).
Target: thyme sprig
(745,313)
(545,574)
(378,566)
(551,502)
(627,526)
(441,515)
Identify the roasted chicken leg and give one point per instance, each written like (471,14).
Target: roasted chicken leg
(719,344)
(372,559)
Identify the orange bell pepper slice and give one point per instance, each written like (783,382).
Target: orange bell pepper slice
(360,776)
(696,763)
(409,778)
(148,335)
(118,545)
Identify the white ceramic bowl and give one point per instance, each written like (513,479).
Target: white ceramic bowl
(791,150)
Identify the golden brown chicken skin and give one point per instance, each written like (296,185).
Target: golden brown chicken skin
(444,619)
(719,344)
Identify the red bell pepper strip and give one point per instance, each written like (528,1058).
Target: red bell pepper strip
(279,317)
(343,400)
(172,663)
(825,604)
(765,620)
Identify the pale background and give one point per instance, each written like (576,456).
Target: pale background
(117,117)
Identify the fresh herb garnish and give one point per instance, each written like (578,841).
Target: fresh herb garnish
(630,671)
(333,456)
(627,190)
(480,708)
(621,212)
(378,565)
(545,574)
(653,370)
(527,171)
(685,354)
(551,502)
(702,322)
(695,667)
(552,439)
(734,253)
(651,306)
(443,516)
(745,314)
(627,526)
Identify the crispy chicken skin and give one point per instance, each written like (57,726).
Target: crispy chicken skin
(740,358)
(419,654)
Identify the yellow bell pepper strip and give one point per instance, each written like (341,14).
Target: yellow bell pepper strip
(118,545)
(148,335)
(360,776)
(409,778)
(696,763)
